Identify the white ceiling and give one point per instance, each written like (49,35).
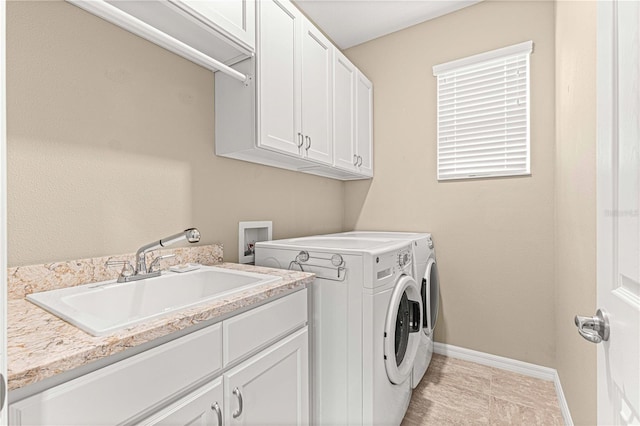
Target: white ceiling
(351,22)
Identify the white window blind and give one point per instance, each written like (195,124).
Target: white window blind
(483,114)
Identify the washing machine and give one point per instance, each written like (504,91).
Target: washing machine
(425,272)
(366,319)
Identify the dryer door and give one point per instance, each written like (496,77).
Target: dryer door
(402,329)
(430,293)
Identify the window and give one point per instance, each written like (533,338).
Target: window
(483,114)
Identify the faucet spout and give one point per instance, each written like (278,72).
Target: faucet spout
(192,235)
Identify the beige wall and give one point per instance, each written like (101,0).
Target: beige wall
(494,237)
(576,202)
(110,146)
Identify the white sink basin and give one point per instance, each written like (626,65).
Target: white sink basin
(102,308)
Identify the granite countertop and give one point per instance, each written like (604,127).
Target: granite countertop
(44,345)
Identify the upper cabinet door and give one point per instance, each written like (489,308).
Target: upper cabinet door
(317,54)
(344,108)
(279,76)
(234,18)
(364,128)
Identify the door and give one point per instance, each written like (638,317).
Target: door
(316,94)
(3,219)
(200,408)
(430,293)
(619,210)
(279,85)
(344,108)
(364,125)
(402,330)
(271,388)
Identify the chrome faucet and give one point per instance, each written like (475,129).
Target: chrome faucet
(192,235)
(140,271)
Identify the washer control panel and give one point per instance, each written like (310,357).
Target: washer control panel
(404,258)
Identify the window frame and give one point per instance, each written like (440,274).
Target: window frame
(522,51)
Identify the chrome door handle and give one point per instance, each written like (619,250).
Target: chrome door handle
(355,160)
(359,161)
(300,140)
(215,407)
(308,138)
(594,329)
(238,394)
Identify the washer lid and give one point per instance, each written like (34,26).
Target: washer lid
(402,329)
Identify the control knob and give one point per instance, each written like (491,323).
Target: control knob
(403,259)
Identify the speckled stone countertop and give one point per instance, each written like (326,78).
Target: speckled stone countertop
(41,345)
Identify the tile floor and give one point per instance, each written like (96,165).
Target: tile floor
(462,392)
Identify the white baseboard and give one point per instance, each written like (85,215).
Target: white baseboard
(508,364)
(564,407)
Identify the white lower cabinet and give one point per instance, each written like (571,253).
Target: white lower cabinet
(200,408)
(269,389)
(272,388)
(187,382)
(121,391)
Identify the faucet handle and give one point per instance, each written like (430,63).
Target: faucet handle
(156,262)
(127,267)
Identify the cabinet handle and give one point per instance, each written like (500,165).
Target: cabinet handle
(360,161)
(355,160)
(238,394)
(308,138)
(3,392)
(215,407)
(300,140)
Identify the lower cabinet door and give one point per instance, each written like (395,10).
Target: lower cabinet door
(202,407)
(272,388)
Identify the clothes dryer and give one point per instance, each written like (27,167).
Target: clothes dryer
(425,272)
(366,324)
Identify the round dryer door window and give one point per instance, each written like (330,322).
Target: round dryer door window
(402,329)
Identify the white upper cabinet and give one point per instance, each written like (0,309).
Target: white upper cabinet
(278,77)
(234,18)
(276,101)
(317,122)
(293,115)
(294,81)
(352,118)
(344,113)
(364,124)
